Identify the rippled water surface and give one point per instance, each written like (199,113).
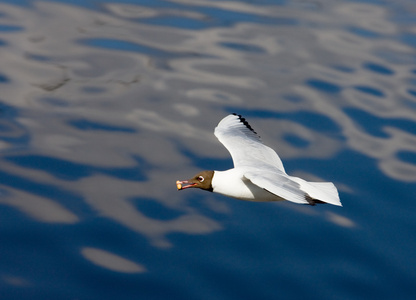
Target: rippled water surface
(105,104)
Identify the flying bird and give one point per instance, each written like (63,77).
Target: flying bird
(258,173)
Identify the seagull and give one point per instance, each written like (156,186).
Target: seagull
(258,173)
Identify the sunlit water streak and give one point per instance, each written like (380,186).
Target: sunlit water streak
(104,105)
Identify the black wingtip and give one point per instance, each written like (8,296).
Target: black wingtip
(244,121)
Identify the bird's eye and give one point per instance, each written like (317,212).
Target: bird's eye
(200,178)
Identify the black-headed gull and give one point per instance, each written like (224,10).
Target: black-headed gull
(258,173)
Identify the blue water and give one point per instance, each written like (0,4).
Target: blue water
(105,104)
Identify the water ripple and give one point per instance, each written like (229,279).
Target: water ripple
(296,141)
(83,124)
(114,44)
(11,131)
(105,104)
(243,47)
(68,170)
(10,28)
(365,33)
(214,16)
(370,90)
(324,86)
(154,210)
(71,199)
(407,156)
(378,68)
(111,261)
(3,79)
(375,125)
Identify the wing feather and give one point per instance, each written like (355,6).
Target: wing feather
(243,143)
(278,184)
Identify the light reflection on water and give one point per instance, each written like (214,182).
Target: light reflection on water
(103,107)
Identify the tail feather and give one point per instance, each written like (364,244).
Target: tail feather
(322,191)
(328,189)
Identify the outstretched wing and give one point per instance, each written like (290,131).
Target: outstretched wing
(244,144)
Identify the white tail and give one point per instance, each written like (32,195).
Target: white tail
(324,191)
(327,188)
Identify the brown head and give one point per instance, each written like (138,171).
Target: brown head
(201,180)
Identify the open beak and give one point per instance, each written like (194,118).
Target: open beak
(181,185)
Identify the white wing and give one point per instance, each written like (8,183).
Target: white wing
(279,184)
(244,144)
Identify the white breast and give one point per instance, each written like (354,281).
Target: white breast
(232,183)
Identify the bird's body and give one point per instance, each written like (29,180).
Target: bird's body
(258,173)
(232,183)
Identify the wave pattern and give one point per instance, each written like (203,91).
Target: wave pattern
(103,107)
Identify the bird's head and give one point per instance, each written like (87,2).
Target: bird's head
(202,180)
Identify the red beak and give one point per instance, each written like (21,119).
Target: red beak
(180,186)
